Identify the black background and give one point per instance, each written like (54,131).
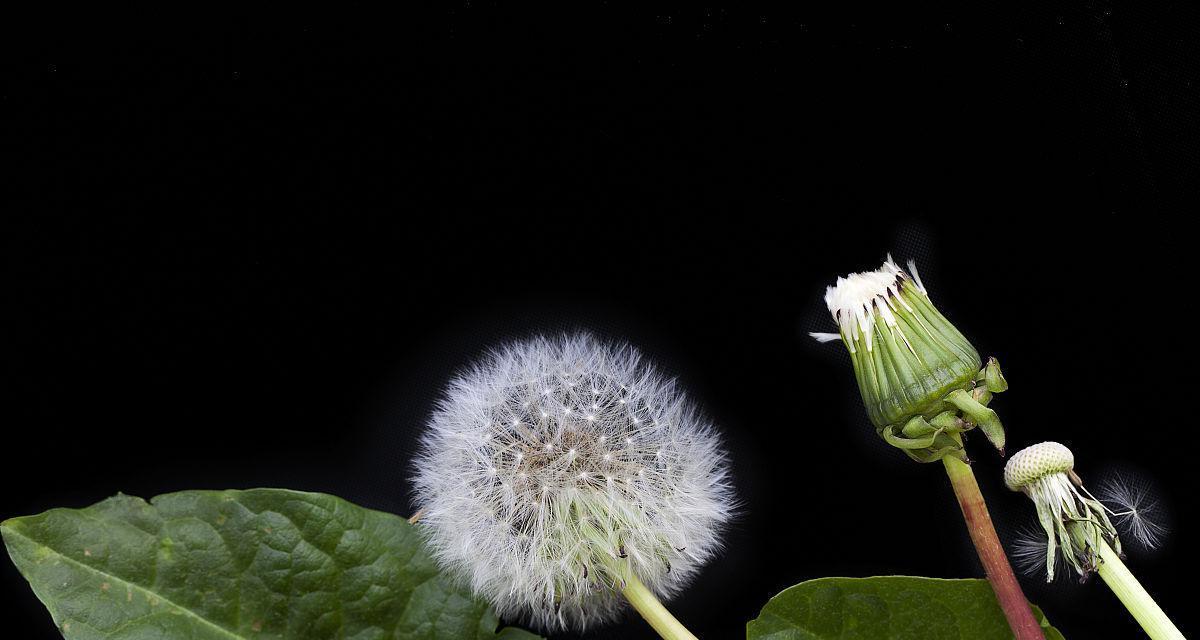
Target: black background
(249,251)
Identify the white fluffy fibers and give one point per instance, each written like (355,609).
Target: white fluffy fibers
(556,466)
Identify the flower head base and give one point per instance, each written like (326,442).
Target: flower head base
(920,379)
(1075,523)
(1033,463)
(556,468)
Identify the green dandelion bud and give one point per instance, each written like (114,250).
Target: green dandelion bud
(923,387)
(921,380)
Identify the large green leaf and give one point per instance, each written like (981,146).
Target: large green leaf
(226,565)
(894,607)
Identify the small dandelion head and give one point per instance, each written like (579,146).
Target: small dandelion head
(1074,523)
(596,468)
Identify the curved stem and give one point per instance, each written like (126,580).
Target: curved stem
(1131,594)
(653,611)
(991,554)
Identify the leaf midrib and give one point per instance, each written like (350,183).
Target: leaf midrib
(138,587)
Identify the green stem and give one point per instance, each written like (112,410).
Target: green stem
(1131,594)
(653,611)
(979,524)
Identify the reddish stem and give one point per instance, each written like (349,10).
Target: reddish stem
(991,554)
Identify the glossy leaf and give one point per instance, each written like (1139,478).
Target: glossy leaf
(894,607)
(229,565)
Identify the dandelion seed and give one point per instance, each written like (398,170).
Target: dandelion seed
(1134,509)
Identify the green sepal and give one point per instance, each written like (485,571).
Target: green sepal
(930,437)
(918,427)
(983,417)
(948,421)
(993,378)
(942,446)
(907,441)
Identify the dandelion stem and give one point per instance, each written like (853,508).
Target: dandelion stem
(979,524)
(1130,592)
(653,611)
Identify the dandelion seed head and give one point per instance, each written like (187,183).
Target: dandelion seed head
(549,542)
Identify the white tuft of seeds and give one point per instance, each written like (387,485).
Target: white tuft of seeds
(555,467)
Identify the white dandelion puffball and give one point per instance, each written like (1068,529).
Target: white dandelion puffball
(553,468)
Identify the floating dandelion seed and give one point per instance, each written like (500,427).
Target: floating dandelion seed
(1134,509)
(551,537)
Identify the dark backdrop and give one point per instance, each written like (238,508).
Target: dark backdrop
(250,251)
